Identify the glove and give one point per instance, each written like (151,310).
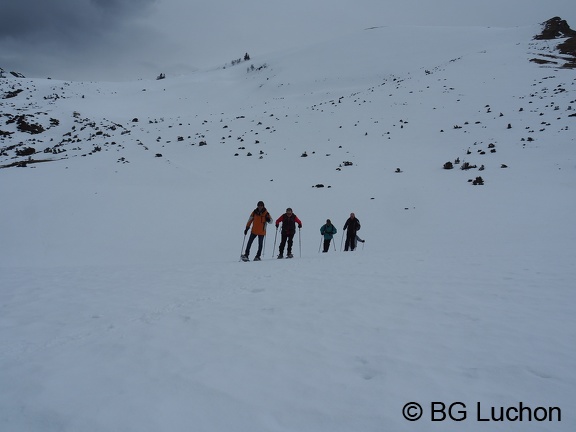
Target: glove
(246,231)
(277,225)
(299,226)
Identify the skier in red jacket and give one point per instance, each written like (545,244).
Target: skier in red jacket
(289,221)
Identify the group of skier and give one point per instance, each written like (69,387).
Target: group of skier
(260,217)
(351,226)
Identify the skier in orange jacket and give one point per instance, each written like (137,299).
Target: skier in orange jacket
(258,219)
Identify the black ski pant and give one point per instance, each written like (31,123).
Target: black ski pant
(327,244)
(350,241)
(286,237)
(260,243)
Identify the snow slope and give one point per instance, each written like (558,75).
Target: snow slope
(123,303)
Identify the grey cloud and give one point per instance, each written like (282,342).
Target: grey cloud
(36,35)
(29,20)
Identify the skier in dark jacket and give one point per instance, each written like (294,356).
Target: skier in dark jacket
(351,226)
(289,221)
(327,230)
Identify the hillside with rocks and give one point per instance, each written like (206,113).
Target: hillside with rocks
(56,121)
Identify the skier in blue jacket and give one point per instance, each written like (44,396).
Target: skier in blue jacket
(327,230)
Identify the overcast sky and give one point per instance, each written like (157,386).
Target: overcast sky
(114,40)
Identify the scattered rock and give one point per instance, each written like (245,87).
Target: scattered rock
(478,181)
(466,166)
(26,151)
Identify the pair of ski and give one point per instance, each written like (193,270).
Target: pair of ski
(246,259)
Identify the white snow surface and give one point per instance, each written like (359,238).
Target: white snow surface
(123,303)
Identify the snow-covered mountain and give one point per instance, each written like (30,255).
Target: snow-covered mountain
(123,303)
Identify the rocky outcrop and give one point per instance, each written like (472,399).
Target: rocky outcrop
(557,28)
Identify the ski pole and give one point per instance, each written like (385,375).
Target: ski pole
(320,244)
(334,243)
(299,243)
(341,241)
(242,250)
(275,236)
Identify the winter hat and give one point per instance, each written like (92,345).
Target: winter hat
(328,222)
(261,203)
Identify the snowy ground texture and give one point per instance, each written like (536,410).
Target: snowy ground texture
(123,304)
